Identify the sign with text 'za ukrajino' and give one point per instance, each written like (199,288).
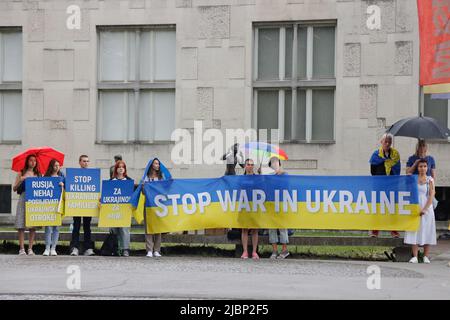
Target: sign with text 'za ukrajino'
(115,210)
(42,197)
(283,201)
(82,192)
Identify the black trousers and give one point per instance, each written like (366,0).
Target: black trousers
(87,243)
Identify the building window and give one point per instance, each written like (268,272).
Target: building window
(136,96)
(294,80)
(10,85)
(5,198)
(438,109)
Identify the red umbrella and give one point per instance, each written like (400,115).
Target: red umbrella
(43,156)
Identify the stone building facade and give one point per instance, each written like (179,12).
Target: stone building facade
(229,63)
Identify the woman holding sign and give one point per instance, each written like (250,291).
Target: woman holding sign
(120,173)
(426,234)
(278,235)
(30,170)
(249,170)
(52,233)
(155,172)
(385,161)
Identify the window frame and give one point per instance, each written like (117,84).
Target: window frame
(8,187)
(9,86)
(308,85)
(136,86)
(422,112)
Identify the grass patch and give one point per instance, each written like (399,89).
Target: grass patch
(227,250)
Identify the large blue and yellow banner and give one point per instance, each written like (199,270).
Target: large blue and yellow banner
(284,201)
(115,210)
(42,197)
(82,192)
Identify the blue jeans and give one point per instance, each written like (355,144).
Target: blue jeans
(283,238)
(123,235)
(51,237)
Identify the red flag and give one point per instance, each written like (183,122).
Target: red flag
(434,29)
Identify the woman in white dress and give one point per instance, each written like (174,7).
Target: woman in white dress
(426,234)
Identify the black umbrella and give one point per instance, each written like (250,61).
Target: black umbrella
(420,128)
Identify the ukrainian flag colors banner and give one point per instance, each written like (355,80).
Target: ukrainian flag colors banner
(115,210)
(283,201)
(42,199)
(434,31)
(82,192)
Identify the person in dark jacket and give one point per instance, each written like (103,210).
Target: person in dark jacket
(233,157)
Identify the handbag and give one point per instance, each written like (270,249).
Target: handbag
(110,246)
(21,188)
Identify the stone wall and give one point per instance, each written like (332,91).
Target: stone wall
(377,75)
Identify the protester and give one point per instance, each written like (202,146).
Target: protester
(421,153)
(88,245)
(274,238)
(233,157)
(385,161)
(123,234)
(154,172)
(52,232)
(117,157)
(30,169)
(426,234)
(249,170)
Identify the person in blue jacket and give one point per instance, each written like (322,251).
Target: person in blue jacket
(155,171)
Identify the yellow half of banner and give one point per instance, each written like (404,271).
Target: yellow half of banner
(61,203)
(437,88)
(115,215)
(138,212)
(81,204)
(406,218)
(42,214)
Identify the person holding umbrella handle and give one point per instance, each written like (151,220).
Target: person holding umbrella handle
(421,154)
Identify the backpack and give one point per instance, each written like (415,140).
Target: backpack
(234,234)
(110,246)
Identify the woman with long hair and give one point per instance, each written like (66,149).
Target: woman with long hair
(52,232)
(426,234)
(123,234)
(153,173)
(30,169)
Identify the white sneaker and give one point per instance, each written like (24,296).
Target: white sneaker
(53,252)
(150,254)
(30,252)
(414,260)
(22,252)
(426,260)
(74,252)
(46,253)
(89,252)
(156,254)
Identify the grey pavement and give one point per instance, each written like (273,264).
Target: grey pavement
(190,277)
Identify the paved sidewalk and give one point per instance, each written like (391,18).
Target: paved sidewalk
(38,277)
